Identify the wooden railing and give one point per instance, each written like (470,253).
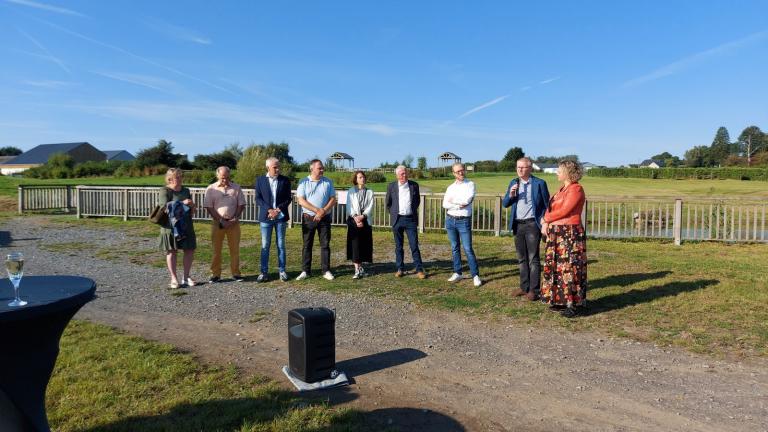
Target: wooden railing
(604,217)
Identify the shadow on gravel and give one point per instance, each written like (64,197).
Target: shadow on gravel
(626,279)
(375,362)
(637,296)
(5,238)
(410,419)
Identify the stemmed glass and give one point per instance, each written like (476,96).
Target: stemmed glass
(14,263)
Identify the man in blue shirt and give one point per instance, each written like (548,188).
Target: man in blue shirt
(529,198)
(317,197)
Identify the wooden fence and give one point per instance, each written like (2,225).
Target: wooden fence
(604,217)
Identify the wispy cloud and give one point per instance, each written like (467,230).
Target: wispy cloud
(49,84)
(483,106)
(177,32)
(46,7)
(48,55)
(138,57)
(700,57)
(547,81)
(155,83)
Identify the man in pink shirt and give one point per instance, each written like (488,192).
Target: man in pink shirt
(225,203)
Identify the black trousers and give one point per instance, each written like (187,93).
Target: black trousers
(527,241)
(309,227)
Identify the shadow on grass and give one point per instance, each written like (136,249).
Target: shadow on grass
(235,414)
(375,362)
(626,279)
(638,296)
(280,410)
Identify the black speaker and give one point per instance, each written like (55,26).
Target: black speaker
(311,343)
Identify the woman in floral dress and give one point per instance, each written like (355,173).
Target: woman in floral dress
(564,284)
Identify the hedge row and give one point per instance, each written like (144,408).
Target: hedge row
(732,173)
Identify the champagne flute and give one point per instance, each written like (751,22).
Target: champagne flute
(14,264)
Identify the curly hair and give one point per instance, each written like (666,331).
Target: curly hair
(572,169)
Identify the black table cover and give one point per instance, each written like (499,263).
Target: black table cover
(29,341)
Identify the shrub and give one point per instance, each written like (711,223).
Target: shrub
(733,173)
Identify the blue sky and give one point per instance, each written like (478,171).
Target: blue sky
(614,82)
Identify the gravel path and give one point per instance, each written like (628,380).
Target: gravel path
(413,368)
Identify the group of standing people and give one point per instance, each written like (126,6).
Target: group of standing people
(534,215)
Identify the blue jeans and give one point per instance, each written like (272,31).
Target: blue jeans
(407,224)
(266,239)
(460,234)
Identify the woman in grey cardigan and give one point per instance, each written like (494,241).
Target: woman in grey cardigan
(359,233)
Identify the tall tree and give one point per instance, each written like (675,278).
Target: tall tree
(751,141)
(161,154)
(421,163)
(408,161)
(253,162)
(698,157)
(507,163)
(721,146)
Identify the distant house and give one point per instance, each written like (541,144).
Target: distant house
(652,163)
(545,168)
(118,155)
(80,152)
(588,166)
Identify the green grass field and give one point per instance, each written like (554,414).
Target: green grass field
(704,297)
(108,381)
(496,183)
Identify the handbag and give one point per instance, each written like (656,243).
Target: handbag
(159,215)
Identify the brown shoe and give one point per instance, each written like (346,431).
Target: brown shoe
(532,296)
(421,275)
(519,293)
(399,273)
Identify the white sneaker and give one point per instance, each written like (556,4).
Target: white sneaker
(283,276)
(455,278)
(328,276)
(476,281)
(356,275)
(302,276)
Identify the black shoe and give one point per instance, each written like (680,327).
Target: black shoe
(214,279)
(569,312)
(238,278)
(262,278)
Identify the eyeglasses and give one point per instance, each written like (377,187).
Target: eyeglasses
(458,172)
(524,167)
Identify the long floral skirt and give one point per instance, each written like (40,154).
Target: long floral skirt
(565,266)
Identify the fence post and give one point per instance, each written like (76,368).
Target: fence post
(290,215)
(497,216)
(21,199)
(79,201)
(584,216)
(677,222)
(125,204)
(421,212)
(69,198)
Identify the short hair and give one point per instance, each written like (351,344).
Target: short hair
(271,160)
(354,176)
(526,159)
(401,168)
(222,168)
(173,172)
(572,169)
(459,164)
(314,161)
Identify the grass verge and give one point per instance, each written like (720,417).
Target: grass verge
(108,381)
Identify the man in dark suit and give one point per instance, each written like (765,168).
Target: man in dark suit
(273,195)
(403,201)
(529,198)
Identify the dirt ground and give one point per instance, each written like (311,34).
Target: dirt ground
(567,383)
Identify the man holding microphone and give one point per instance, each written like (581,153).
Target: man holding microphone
(528,196)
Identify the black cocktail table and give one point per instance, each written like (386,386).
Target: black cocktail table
(29,342)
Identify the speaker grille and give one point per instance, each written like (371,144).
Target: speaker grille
(311,343)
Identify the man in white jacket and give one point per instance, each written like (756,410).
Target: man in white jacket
(458,223)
